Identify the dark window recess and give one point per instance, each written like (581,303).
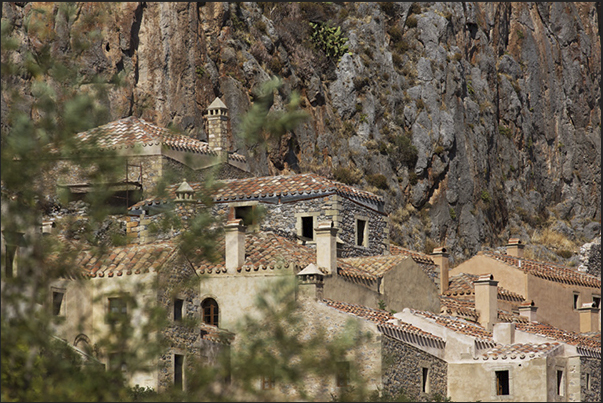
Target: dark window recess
(178,371)
(307,230)
(596,301)
(360,227)
(502,382)
(118,309)
(57,301)
(576,301)
(178,305)
(425,380)
(343,374)
(210,311)
(245,213)
(9,257)
(560,383)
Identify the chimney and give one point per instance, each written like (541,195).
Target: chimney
(185,193)
(217,127)
(486,293)
(326,247)
(589,318)
(515,247)
(440,258)
(504,333)
(528,310)
(234,239)
(310,281)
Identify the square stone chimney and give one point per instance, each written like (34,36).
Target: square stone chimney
(441,259)
(326,247)
(234,240)
(217,127)
(589,318)
(515,247)
(486,303)
(528,310)
(504,333)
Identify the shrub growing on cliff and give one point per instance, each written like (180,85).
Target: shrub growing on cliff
(329,39)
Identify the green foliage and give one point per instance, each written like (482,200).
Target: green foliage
(505,131)
(329,39)
(402,150)
(485,196)
(452,213)
(349,176)
(411,21)
(470,89)
(199,71)
(377,180)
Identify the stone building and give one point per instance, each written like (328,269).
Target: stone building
(559,292)
(148,153)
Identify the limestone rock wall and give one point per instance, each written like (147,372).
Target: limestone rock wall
(500,100)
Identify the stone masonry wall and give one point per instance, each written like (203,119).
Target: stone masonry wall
(282,218)
(592,367)
(402,371)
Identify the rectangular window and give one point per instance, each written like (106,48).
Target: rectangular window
(425,380)
(178,371)
(118,309)
(588,382)
(560,383)
(343,374)
(178,306)
(268,382)
(576,300)
(596,301)
(57,302)
(361,232)
(502,383)
(308,227)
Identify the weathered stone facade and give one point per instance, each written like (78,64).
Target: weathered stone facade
(590,379)
(403,371)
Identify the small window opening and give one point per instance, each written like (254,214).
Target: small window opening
(57,301)
(178,371)
(588,385)
(210,311)
(596,301)
(360,228)
(425,381)
(307,227)
(343,374)
(576,302)
(118,309)
(502,383)
(178,305)
(245,213)
(9,257)
(560,388)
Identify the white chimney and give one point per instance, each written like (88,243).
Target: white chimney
(217,127)
(515,247)
(440,258)
(504,333)
(528,310)
(234,239)
(326,247)
(486,303)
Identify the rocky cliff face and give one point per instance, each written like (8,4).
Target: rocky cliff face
(476,121)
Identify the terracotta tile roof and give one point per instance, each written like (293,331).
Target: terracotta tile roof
(457,324)
(374,315)
(465,308)
(375,266)
(547,270)
(462,285)
(519,351)
(307,185)
(215,334)
(592,341)
(126,260)
(264,251)
(132,131)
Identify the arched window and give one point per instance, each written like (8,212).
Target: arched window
(210,311)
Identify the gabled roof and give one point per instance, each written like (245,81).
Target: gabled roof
(126,260)
(592,340)
(376,266)
(274,188)
(132,131)
(546,270)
